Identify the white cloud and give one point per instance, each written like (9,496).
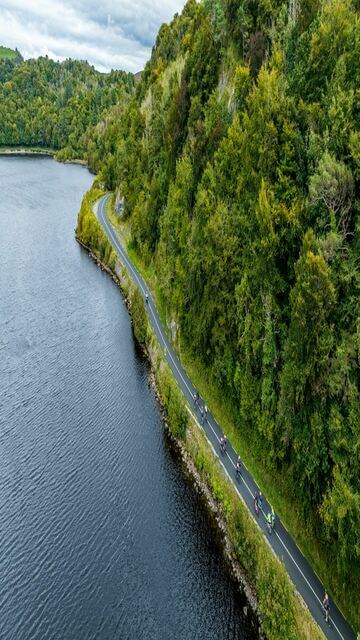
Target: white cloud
(107,34)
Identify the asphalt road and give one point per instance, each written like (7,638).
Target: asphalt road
(304,578)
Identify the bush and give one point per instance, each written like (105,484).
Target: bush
(90,232)
(177,413)
(275,597)
(173,401)
(139,317)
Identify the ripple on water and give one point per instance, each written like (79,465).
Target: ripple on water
(100,536)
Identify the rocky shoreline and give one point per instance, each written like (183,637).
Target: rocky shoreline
(250,610)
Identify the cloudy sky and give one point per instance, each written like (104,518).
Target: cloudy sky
(109,34)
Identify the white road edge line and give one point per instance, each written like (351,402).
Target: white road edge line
(127,263)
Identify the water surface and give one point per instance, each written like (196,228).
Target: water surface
(100,535)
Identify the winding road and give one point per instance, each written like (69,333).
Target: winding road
(302,575)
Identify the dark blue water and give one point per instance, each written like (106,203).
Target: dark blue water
(100,535)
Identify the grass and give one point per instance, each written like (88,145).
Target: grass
(7,53)
(282,612)
(110,204)
(147,272)
(276,489)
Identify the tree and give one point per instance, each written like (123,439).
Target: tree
(304,376)
(333,186)
(341,514)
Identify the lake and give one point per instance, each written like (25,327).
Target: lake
(101,535)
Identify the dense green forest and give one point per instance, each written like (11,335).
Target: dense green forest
(238,158)
(239,163)
(50,104)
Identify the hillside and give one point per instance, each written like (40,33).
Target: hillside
(50,104)
(9,54)
(237,154)
(239,163)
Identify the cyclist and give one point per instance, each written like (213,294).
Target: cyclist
(326,606)
(206,412)
(225,442)
(256,504)
(238,466)
(272,518)
(146,297)
(268,523)
(260,501)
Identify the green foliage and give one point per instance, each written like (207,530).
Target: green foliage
(304,377)
(240,181)
(9,59)
(215,9)
(242,86)
(91,233)
(52,104)
(275,598)
(333,186)
(241,185)
(9,54)
(173,401)
(282,614)
(203,61)
(139,317)
(341,513)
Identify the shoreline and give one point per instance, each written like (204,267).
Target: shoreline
(236,572)
(22,151)
(39,153)
(250,559)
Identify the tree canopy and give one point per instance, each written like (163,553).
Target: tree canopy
(238,160)
(52,104)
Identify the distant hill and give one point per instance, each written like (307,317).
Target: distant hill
(9,54)
(44,103)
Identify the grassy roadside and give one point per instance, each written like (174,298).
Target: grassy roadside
(281,611)
(89,231)
(148,273)
(276,488)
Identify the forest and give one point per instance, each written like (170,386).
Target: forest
(238,159)
(50,104)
